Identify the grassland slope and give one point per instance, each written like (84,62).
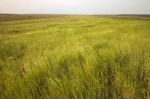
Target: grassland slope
(75,57)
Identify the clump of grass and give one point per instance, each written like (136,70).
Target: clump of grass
(12,50)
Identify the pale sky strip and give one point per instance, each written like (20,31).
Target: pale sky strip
(75,6)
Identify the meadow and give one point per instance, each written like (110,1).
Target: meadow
(75,57)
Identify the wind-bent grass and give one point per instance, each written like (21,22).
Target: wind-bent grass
(75,57)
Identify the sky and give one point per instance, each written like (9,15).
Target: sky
(75,6)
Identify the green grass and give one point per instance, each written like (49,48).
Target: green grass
(75,57)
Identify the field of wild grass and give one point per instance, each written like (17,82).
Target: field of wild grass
(75,57)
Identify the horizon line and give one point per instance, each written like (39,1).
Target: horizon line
(70,14)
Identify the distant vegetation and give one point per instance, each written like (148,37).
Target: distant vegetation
(15,17)
(74,57)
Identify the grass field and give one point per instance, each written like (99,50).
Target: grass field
(75,57)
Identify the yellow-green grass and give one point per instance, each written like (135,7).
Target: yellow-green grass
(75,57)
